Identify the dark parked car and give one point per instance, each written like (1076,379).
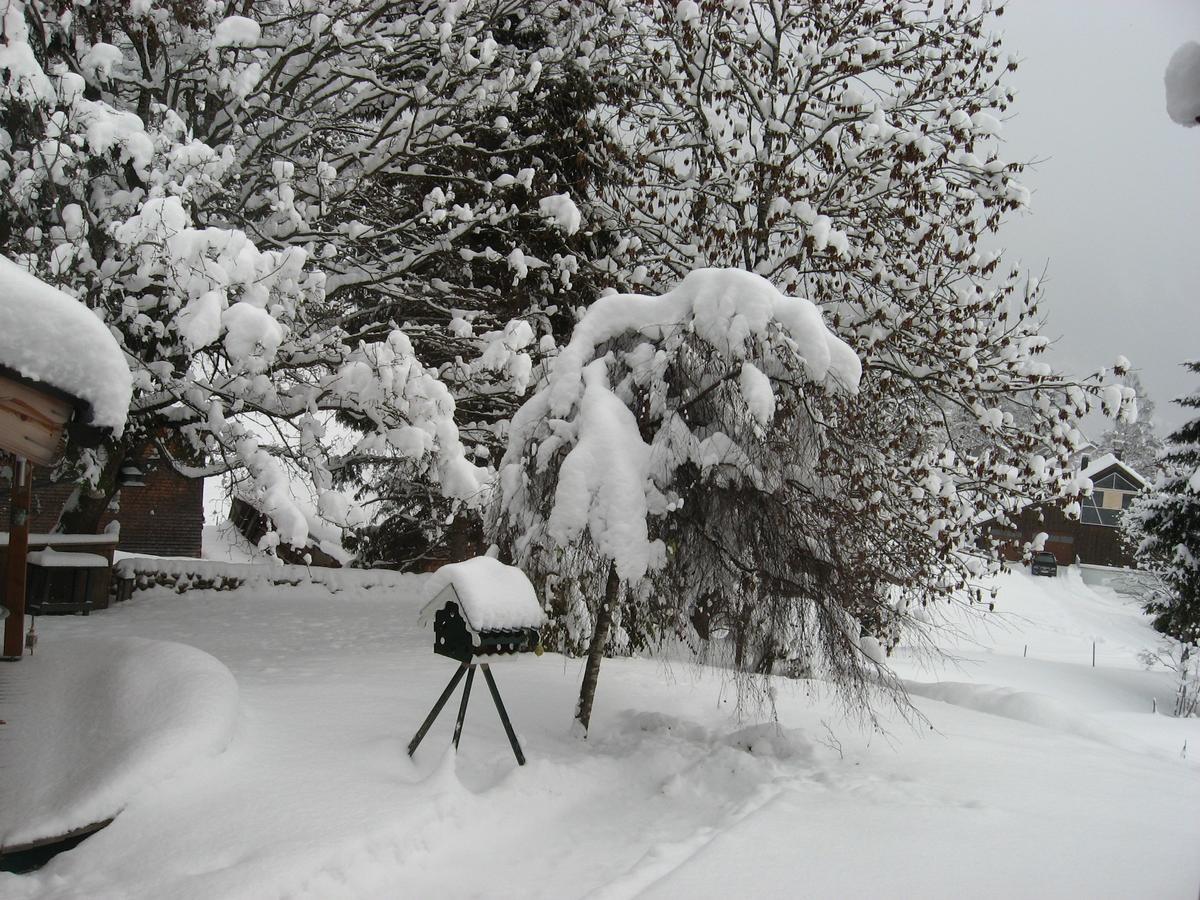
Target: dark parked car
(1044,563)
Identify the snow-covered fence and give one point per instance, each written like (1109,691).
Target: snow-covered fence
(182,575)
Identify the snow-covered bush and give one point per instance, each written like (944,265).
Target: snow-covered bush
(670,479)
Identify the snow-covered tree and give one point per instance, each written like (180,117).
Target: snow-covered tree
(283,214)
(849,153)
(239,354)
(1134,440)
(673,478)
(1165,525)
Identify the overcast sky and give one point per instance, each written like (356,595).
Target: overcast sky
(1115,216)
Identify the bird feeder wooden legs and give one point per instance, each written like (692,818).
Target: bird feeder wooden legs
(467,669)
(437,708)
(462,707)
(508,729)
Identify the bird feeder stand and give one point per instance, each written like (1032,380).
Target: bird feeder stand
(481,608)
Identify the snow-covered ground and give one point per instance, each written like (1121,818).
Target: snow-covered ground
(1040,776)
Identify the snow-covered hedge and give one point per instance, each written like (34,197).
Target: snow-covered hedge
(182,575)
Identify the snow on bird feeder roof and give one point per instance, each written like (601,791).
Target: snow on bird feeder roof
(491,596)
(51,338)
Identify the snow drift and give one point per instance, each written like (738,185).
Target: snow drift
(98,720)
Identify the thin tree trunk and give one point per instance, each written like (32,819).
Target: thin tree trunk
(591,673)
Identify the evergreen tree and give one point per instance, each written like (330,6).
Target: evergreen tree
(1165,523)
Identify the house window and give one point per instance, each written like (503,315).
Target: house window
(1092,513)
(1112,499)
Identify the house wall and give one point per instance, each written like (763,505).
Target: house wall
(1068,540)
(165,517)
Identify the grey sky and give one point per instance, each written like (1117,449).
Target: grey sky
(1115,217)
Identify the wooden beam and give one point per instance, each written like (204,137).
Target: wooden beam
(18,550)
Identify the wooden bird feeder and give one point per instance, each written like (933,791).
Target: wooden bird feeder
(33,419)
(481,609)
(33,422)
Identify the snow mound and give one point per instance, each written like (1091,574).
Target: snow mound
(1182,81)
(492,596)
(92,722)
(1021,706)
(52,338)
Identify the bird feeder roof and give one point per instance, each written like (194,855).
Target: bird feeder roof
(491,596)
(55,340)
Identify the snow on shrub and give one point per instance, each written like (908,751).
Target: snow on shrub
(664,478)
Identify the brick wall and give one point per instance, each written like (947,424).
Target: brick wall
(165,517)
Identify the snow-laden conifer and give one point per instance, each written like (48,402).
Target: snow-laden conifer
(668,481)
(1165,525)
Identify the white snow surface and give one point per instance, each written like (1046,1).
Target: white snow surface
(95,723)
(1041,776)
(491,595)
(1182,80)
(52,338)
(725,307)
(236,31)
(562,211)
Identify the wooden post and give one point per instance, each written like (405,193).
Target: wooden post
(18,550)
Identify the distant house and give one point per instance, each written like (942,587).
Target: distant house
(161,512)
(1094,538)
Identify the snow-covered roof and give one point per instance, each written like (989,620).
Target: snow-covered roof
(51,338)
(490,595)
(1098,465)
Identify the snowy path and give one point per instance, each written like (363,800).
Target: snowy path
(316,798)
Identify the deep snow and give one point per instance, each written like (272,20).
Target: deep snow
(1040,776)
(91,720)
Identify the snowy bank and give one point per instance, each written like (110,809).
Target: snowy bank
(52,338)
(92,722)
(671,796)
